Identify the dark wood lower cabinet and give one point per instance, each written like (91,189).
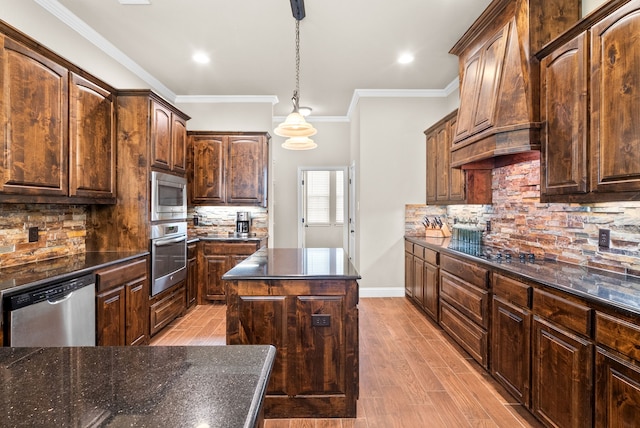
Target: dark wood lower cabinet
(562,377)
(510,343)
(617,390)
(122,304)
(431,278)
(167,306)
(192,276)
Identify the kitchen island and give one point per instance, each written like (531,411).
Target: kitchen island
(304,302)
(138,386)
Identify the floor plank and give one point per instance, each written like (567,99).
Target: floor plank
(411,373)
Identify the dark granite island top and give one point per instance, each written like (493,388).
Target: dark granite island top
(295,263)
(304,302)
(135,386)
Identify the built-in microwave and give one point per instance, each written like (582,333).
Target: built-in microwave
(168,197)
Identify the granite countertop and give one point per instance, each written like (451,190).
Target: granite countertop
(137,386)
(38,273)
(619,291)
(295,263)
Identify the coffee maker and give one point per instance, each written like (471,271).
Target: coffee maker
(243,220)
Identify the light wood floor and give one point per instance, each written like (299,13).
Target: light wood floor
(411,374)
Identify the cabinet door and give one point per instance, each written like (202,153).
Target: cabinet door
(246,170)
(215,267)
(617,391)
(564,113)
(92,161)
(251,329)
(510,342)
(179,144)
(110,310)
(432,167)
(208,170)
(160,136)
(430,300)
(443,165)
(34,116)
(192,276)
(615,105)
(456,175)
(562,379)
(408,273)
(468,93)
(137,307)
(418,281)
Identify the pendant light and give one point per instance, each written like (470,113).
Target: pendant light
(295,126)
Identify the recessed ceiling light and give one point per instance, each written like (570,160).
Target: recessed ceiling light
(405,58)
(135,1)
(201,58)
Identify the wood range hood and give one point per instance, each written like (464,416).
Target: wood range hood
(499,115)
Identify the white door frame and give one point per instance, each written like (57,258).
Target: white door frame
(345,225)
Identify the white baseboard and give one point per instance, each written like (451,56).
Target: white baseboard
(382,292)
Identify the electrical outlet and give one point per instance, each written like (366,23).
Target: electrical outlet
(604,238)
(488,226)
(33,234)
(320,320)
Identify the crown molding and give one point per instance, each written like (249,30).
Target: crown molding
(82,28)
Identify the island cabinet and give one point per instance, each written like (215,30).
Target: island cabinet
(511,335)
(464,305)
(311,319)
(562,360)
(499,104)
(587,109)
(228,168)
(122,304)
(447,185)
(216,258)
(58,128)
(617,370)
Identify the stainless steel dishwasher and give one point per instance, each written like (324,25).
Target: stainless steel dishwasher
(57,314)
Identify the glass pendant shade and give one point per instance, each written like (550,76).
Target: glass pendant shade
(299,143)
(295,126)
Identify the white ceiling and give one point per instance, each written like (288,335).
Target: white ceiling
(345,45)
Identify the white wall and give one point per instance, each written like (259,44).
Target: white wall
(392,173)
(333,150)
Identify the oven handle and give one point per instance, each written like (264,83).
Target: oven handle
(169,241)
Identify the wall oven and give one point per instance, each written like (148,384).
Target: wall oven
(168,197)
(168,255)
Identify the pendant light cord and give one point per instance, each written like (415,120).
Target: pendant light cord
(296,95)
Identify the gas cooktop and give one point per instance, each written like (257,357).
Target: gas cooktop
(494,254)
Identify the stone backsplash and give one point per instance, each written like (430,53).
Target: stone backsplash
(62,232)
(565,232)
(221,220)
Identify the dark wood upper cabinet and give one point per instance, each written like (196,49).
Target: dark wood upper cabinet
(169,139)
(35,116)
(615,104)
(92,140)
(563,110)
(589,109)
(498,116)
(228,168)
(58,127)
(447,185)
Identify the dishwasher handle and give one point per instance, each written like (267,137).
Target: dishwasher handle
(57,300)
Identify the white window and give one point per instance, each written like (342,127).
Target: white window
(339,197)
(318,197)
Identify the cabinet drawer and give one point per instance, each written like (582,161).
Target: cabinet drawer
(418,251)
(512,291)
(165,310)
(466,333)
(431,256)
(471,301)
(618,334)
(408,247)
(117,275)
(563,312)
(229,248)
(470,272)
